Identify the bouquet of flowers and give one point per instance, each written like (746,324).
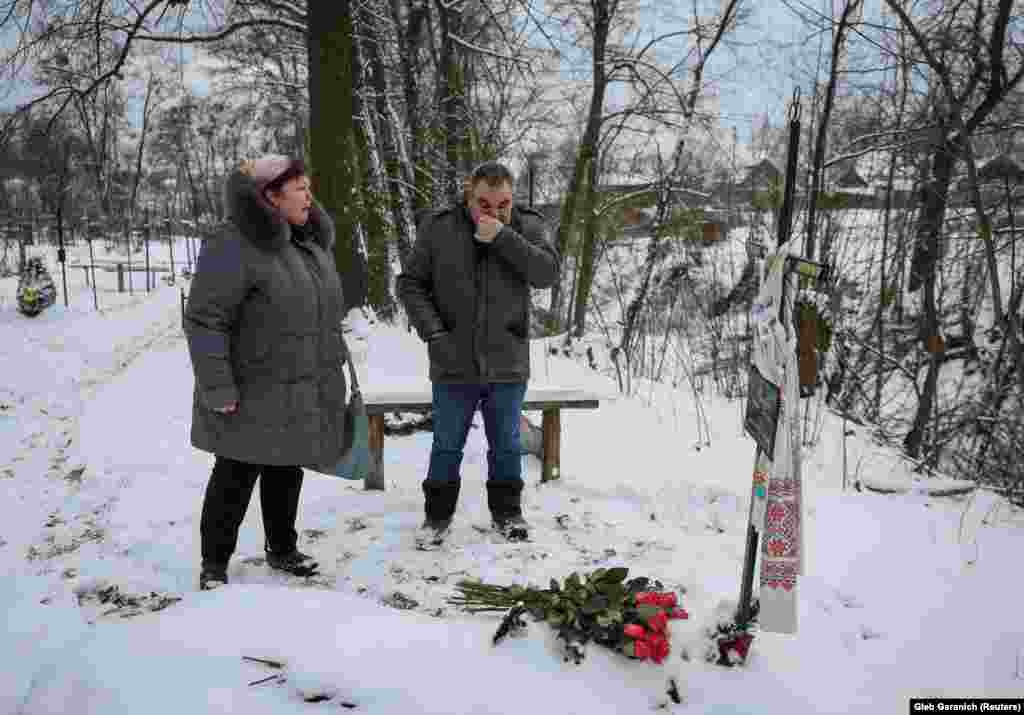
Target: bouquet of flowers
(630,617)
(727,640)
(36,290)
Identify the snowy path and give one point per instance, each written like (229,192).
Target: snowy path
(53,370)
(101,490)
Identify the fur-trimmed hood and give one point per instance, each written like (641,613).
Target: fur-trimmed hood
(261,224)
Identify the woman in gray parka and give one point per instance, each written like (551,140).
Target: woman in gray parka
(264,333)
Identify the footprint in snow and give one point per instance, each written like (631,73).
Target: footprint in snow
(847,600)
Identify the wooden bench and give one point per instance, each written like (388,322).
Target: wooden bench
(550,401)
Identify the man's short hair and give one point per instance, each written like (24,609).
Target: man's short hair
(493,172)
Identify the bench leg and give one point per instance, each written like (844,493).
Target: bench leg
(551,435)
(375,479)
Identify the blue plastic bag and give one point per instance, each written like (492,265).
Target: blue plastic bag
(354,463)
(355,458)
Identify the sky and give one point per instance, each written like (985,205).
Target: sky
(903,595)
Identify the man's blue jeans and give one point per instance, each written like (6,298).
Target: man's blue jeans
(501,404)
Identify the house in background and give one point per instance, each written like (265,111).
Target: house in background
(853,190)
(761,178)
(637,215)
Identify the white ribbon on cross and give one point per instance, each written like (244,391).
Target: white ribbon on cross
(777,487)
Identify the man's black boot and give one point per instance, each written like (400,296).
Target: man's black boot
(212,575)
(504,499)
(440,500)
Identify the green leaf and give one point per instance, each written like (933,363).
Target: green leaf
(573,582)
(554,586)
(597,575)
(614,591)
(645,610)
(596,604)
(615,575)
(556,618)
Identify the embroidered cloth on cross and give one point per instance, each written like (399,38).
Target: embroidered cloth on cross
(776,494)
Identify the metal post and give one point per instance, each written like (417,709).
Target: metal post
(22,254)
(120,278)
(145,239)
(62,257)
(170,243)
(92,265)
(749,560)
(188,249)
(128,233)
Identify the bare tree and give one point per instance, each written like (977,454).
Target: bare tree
(974,63)
(850,11)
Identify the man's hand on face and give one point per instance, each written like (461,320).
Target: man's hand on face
(487,228)
(491,207)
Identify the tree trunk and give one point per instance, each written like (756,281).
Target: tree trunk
(375,217)
(390,142)
(923,270)
(838,46)
(587,152)
(588,251)
(453,101)
(142,143)
(882,287)
(335,167)
(408,52)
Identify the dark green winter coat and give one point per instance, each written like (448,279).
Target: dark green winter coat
(478,293)
(263,323)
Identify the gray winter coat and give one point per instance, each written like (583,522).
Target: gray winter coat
(264,328)
(478,293)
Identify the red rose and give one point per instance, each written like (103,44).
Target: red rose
(657,598)
(634,630)
(659,647)
(642,649)
(658,643)
(658,621)
(654,639)
(740,644)
(678,613)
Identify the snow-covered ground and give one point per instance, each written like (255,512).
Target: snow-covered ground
(905,595)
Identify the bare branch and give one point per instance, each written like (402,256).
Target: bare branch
(485,51)
(226,32)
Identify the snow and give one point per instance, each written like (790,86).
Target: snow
(904,594)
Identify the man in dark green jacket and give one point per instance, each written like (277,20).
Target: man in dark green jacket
(466,287)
